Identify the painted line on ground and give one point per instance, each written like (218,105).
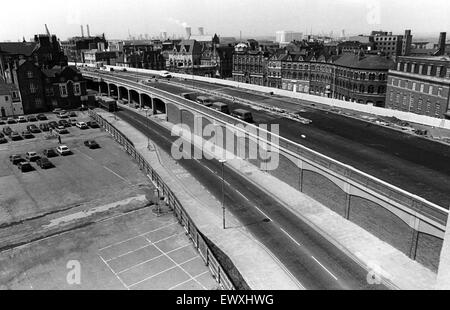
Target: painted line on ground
(117,175)
(290,237)
(114,273)
(263,213)
(193,278)
(325,268)
(242,195)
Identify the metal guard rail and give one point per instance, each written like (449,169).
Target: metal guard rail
(180,213)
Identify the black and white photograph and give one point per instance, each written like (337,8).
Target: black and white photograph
(226,150)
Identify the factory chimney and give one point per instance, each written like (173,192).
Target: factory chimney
(82,31)
(441,44)
(88,32)
(201,31)
(188,32)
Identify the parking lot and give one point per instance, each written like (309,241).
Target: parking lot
(94,206)
(136,250)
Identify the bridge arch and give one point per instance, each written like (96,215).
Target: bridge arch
(160,107)
(123,93)
(113,91)
(134,96)
(146,100)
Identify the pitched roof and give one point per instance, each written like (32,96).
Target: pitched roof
(18,48)
(375,62)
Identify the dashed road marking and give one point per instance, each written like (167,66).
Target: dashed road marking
(325,268)
(290,237)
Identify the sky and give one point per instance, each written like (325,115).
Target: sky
(225,17)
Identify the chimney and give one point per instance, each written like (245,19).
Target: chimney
(441,46)
(188,32)
(82,31)
(88,32)
(201,31)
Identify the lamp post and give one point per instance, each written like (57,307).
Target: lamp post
(147,120)
(223,161)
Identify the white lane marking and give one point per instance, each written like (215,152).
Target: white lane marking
(117,175)
(114,273)
(242,195)
(85,155)
(290,237)
(325,268)
(159,273)
(140,235)
(263,213)
(152,259)
(189,280)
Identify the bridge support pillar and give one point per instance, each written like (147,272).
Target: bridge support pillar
(140,101)
(109,90)
(153,106)
(443,276)
(118,93)
(129,96)
(99,89)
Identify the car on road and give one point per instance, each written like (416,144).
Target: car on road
(44,127)
(165,74)
(93,124)
(82,125)
(32,156)
(63,150)
(25,166)
(49,153)
(243,115)
(11,120)
(27,134)
(42,117)
(7,130)
(53,124)
(44,163)
(221,107)
(32,118)
(15,136)
(16,159)
(62,130)
(92,144)
(21,119)
(33,129)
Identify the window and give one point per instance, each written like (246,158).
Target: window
(63,90)
(430,90)
(411,101)
(440,91)
(38,102)
(437,111)
(414,86)
(30,74)
(397,98)
(422,88)
(404,100)
(428,106)
(76,89)
(419,104)
(33,88)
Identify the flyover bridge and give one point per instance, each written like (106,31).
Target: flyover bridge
(408,222)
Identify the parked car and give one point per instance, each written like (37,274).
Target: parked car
(91,144)
(62,130)
(82,125)
(58,111)
(93,124)
(50,153)
(63,150)
(15,136)
(2,122)
(73,114)
(32,118)
(72,122)
(53,124)
(27,135)
(44,163)
(42,117)
(32,156)
(16,159)
(33,129)
(64,123)
(25,166)
(21,119)
(63,115)
(11,120)
(7,130)
(44,127)
(3,139)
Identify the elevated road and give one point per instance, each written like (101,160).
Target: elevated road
(314,261)
(411,163)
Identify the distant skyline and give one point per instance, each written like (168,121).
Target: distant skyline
(224,17)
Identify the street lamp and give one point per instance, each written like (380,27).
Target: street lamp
(223,161)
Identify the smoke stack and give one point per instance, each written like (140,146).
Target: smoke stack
(188,32)
(201,31)
(88,32)
(441,46)
(82,31)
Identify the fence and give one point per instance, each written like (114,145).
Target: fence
(183,218)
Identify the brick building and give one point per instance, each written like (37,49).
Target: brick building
(250,64)
(420,85)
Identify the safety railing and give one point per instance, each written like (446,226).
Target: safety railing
(172,201)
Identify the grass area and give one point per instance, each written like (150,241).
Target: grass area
(232,272)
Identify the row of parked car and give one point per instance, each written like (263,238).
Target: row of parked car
(24,162)
(23,119)
(59,127)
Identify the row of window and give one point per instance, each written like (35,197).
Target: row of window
(62,90)
(423,69)
(419,87)
(406,102)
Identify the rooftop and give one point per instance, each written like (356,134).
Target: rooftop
(18,48)
(376,62)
